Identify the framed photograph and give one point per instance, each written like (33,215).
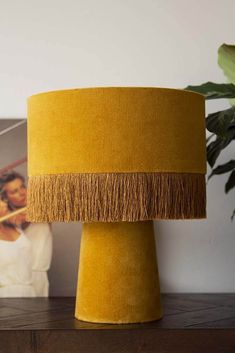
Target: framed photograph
(26,249)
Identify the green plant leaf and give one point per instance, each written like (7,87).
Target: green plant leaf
(226,60)
(214,148)
(213,90)
(222,123)
(231,182)
(223,168)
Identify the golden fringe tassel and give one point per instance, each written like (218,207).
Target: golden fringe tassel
(113,197)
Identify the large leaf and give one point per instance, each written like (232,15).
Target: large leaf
(223,168)
(226,60)
(222,123)
(231,182)
(213,90)
(214,148)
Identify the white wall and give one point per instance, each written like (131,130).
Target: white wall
(56,44)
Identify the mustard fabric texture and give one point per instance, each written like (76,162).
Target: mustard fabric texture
(122,155)
(116,129)
(118,279)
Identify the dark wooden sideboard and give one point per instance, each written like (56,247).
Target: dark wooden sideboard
(192,323)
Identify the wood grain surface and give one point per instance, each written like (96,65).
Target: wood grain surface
(192,323)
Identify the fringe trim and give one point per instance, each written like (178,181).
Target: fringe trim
(113,197)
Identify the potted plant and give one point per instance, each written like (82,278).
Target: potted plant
(221,124)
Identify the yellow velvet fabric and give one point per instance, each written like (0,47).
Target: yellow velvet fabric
(118,279)
(116,129)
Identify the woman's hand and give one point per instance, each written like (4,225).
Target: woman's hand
(17,219)
(3,208)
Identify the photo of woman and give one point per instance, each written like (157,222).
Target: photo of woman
(53,247)
(25,248)
(15,259)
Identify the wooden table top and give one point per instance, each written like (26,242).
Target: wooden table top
(190,322)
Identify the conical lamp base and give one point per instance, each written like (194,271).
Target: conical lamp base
(118,278)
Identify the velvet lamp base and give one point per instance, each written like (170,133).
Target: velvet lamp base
(118,280)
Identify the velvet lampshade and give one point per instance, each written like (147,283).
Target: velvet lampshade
(117,158)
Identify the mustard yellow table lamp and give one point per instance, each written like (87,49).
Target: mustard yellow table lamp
(117,158)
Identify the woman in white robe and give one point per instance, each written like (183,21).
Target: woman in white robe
(16,278)
(40,236)
(31,247)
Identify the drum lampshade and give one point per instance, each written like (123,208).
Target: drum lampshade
(114,154)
